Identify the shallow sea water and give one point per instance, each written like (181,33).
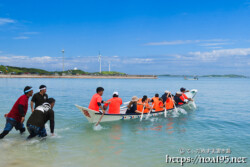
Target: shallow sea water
(220,121)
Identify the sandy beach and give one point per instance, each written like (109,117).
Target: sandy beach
(82,76)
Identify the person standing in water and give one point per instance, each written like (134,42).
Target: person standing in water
(38,118)
(39,98)
(15,117)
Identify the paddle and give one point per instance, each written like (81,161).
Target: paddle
(165,112)
(149,112)
(142,113)
(174,104)
(99,119)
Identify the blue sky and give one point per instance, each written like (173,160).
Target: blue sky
(138,37)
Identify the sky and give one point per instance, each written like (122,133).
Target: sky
(185,37)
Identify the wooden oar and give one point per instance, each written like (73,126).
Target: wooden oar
(99,119)
(174,105)
(165,112)
(142,113)
(149,112)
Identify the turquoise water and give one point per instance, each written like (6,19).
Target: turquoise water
(220,121)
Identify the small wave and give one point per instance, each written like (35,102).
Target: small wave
(63,129)
(153,119)
(178,112)
(32,141)
(56,136)
(98,127)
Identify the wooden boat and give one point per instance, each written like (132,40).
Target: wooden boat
(93,116)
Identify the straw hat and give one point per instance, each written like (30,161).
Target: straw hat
(135,99)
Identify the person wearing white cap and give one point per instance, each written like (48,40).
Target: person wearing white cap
(114,104)
(39,98)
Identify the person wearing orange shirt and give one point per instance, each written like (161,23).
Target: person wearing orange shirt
(170,102)
(143,103)
(159,105)
(114,104)
(178,100)
(155,101)
(184,96)
(96,101)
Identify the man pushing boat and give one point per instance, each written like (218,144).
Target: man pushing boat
(39,117)
(15,117)
(39,98)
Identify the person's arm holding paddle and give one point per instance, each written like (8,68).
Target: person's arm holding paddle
(103,112)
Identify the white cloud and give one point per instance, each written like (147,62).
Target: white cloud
(21,37)
(180,42)
(89,63)
(215,47)
(137,60)
(6,21)
(213,44)
(215,54)
(44,59)
(177,42)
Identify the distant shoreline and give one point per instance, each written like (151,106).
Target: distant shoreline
(81,76)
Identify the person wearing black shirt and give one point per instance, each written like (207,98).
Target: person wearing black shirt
(165,96)
(178,100)
(132,106)
(39,98)
(38,118)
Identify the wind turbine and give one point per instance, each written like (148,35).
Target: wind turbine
(100,60)
(63,59)
(109,66)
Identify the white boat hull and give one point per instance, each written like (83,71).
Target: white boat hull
(93,116)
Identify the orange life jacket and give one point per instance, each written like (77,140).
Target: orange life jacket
(155,102)
(169,103)
(183,97)
(159,106)
(140,106)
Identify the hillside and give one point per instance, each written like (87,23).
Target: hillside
(226,76)
(22,70)
(19,70)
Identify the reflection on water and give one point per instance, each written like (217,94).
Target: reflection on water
(214,124)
